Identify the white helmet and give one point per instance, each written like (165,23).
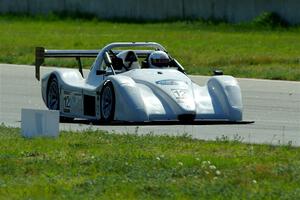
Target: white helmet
(158,59)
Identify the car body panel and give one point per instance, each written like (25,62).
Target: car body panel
(146,94)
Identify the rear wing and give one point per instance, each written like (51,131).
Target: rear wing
(42,53)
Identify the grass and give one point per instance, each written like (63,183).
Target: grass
(99,165)
(243,50)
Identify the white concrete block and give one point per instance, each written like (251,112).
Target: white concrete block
(36,123)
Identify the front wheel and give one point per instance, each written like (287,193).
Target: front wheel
(107,102)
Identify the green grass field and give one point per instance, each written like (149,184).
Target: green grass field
(98,165)
(240,50)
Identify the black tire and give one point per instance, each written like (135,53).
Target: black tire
(53,94)
(107,102)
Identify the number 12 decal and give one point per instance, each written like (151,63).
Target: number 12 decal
(67,101)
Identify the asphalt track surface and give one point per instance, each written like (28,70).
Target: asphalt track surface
(273,105)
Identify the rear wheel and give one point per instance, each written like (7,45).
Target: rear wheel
(53,94)
(107,102)
(53,98)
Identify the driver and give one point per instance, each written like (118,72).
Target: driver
(158,59)
(129,60)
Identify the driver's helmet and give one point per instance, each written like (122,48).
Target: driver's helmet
(158,59)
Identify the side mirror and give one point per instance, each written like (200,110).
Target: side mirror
(108,62)
(218,73)
(107,59)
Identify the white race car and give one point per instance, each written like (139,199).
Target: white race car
(136,82)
